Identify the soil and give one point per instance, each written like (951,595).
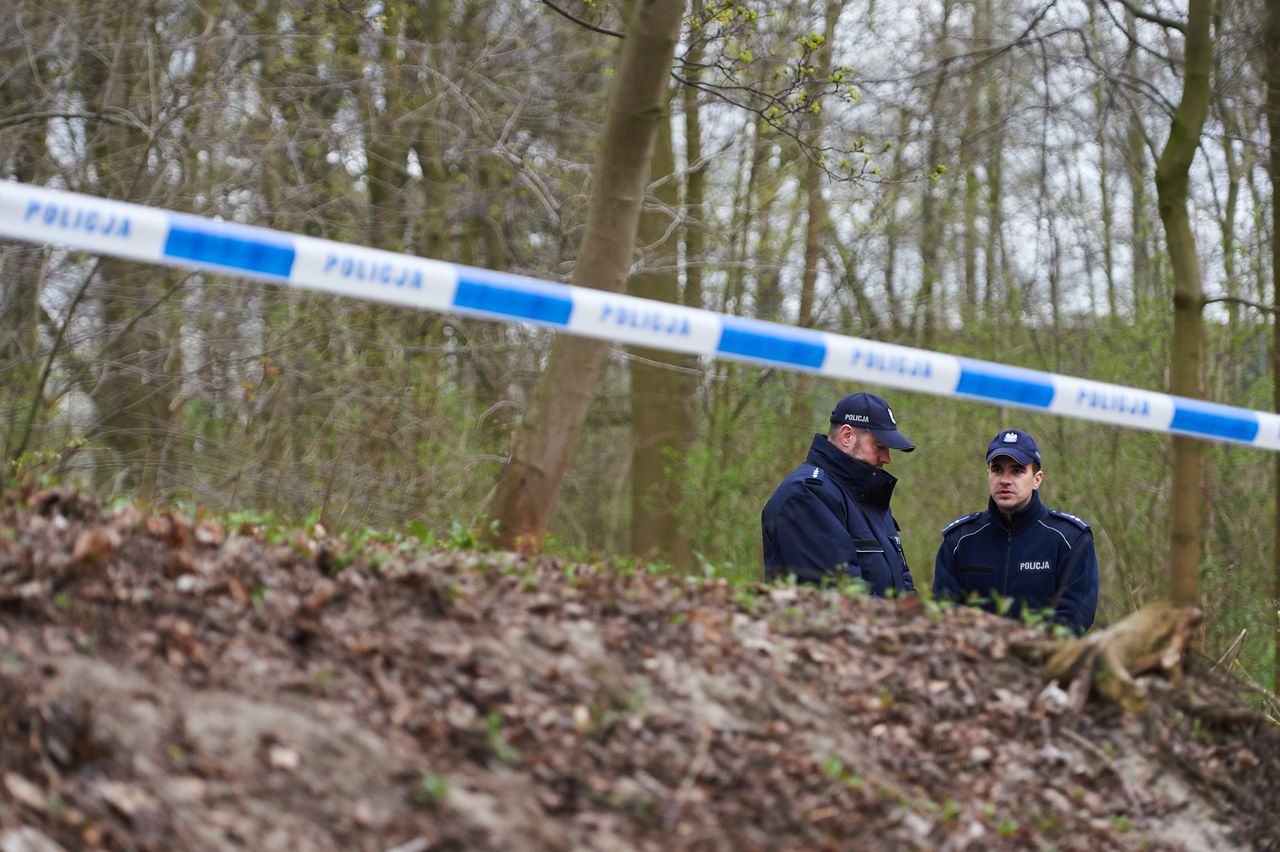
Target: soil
(167,684)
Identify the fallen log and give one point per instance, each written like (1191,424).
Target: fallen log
(1153,639)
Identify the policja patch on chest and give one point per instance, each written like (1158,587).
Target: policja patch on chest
(1035,566)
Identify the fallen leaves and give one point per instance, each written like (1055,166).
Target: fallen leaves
(251,690)
(24,792)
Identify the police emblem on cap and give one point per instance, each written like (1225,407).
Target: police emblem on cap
(1011,437)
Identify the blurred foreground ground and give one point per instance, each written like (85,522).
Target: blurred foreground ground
(167,684)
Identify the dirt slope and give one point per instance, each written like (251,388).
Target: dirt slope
(165,686)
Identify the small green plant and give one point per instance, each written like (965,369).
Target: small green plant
(835,768)
(1122,822)
(788,619)
(1199,734)
(461,536)
(498,745)
(1062,632)
(1007,827)
(1036,617)
(746,599)
(432,789)
(936,609)
(426,537)
(571,578)
(43,466)
(852,587)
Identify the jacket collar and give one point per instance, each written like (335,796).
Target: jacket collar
(1023,518)
(868,483)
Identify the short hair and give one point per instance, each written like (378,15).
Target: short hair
(1035,465)
(858,432)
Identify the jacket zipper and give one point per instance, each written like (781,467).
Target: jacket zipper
(1004,591)
(900,581)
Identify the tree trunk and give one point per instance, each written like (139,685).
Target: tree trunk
(970,159)
(141,380)
(931,218)
(527,488)
(1135,167)
(1103,101)
(21,280)
(1187,349)
(998,265)
(1271,39)
(660,422)
(816,220)
(695,187)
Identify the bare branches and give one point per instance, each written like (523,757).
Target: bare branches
(118,117)
(585,24)
(1236,300)
(1152,17)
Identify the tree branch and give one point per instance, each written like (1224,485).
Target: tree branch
(587,24)
(1236,300)
(124,119)
(1152,17)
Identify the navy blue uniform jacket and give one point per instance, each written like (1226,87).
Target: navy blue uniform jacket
(1043,559)
(830,516)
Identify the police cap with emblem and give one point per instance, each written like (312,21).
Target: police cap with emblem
(870,412)
(1015,444)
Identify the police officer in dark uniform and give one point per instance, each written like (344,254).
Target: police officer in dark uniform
(1018,554)
(830,517)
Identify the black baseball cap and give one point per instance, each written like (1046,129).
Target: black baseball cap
(1015,444)
(870,412)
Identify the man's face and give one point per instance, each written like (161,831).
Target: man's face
(1011,483)
(863,446)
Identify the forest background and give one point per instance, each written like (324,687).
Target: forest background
(967,176)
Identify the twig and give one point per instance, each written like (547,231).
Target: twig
(1229,656)
(1236,300)
(690,776)
(593,27)
(1152,17)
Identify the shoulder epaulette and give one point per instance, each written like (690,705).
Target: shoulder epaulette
(1067,516)
(815,478)
(958,521)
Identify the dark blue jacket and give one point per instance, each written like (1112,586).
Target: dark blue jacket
(1043,559)
(832,515)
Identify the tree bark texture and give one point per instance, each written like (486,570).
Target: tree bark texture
(1135,159)
(1187,349)
(661,425)
(931,224)
(816,220)
(544,443)
(1271,40)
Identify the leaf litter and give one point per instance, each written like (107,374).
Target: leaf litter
(169,684)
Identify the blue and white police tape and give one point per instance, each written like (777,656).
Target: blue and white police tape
(161,236)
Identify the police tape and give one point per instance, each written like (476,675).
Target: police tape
(154,235)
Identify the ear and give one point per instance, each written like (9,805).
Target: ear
(1039,477)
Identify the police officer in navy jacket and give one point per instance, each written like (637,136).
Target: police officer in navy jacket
(1017,551)
(830,517)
